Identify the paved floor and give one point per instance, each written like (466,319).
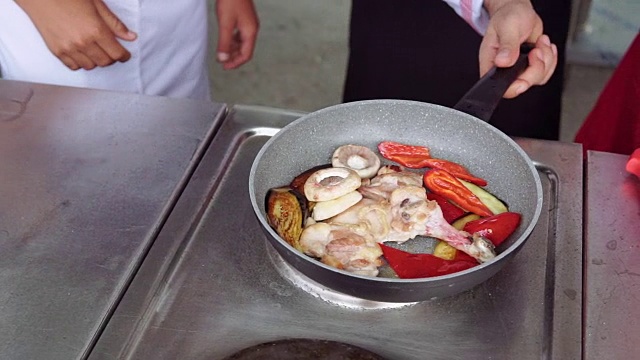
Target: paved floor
(301,55)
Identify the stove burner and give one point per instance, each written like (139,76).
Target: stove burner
(304,349)
(320,291)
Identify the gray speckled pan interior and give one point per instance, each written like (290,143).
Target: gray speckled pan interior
(450,134)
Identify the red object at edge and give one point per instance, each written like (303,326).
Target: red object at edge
(614,123)
(633,165)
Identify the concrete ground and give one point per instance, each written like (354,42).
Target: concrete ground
(301,55)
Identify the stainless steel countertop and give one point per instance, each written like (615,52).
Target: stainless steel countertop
(612,259)
(87,179)
(109,221)
(212,284)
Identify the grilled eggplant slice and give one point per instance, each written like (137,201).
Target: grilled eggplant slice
(287,211)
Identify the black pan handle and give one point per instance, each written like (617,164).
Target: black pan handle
(481,100)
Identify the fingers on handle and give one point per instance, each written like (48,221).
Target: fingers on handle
(542,63)
(487,51)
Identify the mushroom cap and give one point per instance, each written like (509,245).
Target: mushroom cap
(331,183)
(358,158)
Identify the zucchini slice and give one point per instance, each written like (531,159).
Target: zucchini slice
(463,220)
(445,251)
(494,204)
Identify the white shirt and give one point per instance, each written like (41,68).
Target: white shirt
(472,12)
(169,57)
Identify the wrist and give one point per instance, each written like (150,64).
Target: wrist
(26,5)
(494,5)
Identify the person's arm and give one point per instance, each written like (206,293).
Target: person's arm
(237,31)
(505,25)
(512,23)
(81,33)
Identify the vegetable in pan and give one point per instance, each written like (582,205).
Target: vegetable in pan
(344,214)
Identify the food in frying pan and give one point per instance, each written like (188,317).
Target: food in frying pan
(359,158)
(287,213)
(331,183)
(345,213)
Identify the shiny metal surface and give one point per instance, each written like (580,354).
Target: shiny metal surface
(209,287)
(87,179)
(612,259)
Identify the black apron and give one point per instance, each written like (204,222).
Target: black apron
(422,50)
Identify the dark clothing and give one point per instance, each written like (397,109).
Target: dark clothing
(421,50)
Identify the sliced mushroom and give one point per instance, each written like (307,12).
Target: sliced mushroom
(361,159)
(326,209)
(331,183)
(298,182)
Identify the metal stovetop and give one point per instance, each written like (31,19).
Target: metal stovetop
(86,179)
(211,285)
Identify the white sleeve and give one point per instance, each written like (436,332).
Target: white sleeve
(472,12)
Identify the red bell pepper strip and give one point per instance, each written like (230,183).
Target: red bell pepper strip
(396,148)
(450,211)
(496,228)
(411,156)
(454,169)
(463,256)
(413,266)
(446,185)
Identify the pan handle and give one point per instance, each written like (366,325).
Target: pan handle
(481,100)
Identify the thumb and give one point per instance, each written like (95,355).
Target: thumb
(114,24)
(226,30)
(508,47)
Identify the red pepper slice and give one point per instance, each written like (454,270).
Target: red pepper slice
(454,169)
(444,184)
(450,211)
(411,156)
(496,228)
(413,266)
(463,256)
(396,148)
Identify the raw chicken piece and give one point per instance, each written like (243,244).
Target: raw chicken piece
(394,208)
(406,214)
(369,215)
(413,214)
(387,180)
(343,247)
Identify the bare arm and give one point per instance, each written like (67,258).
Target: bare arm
(238,28)
(81,33)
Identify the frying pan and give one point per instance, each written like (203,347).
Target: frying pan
(461,134)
